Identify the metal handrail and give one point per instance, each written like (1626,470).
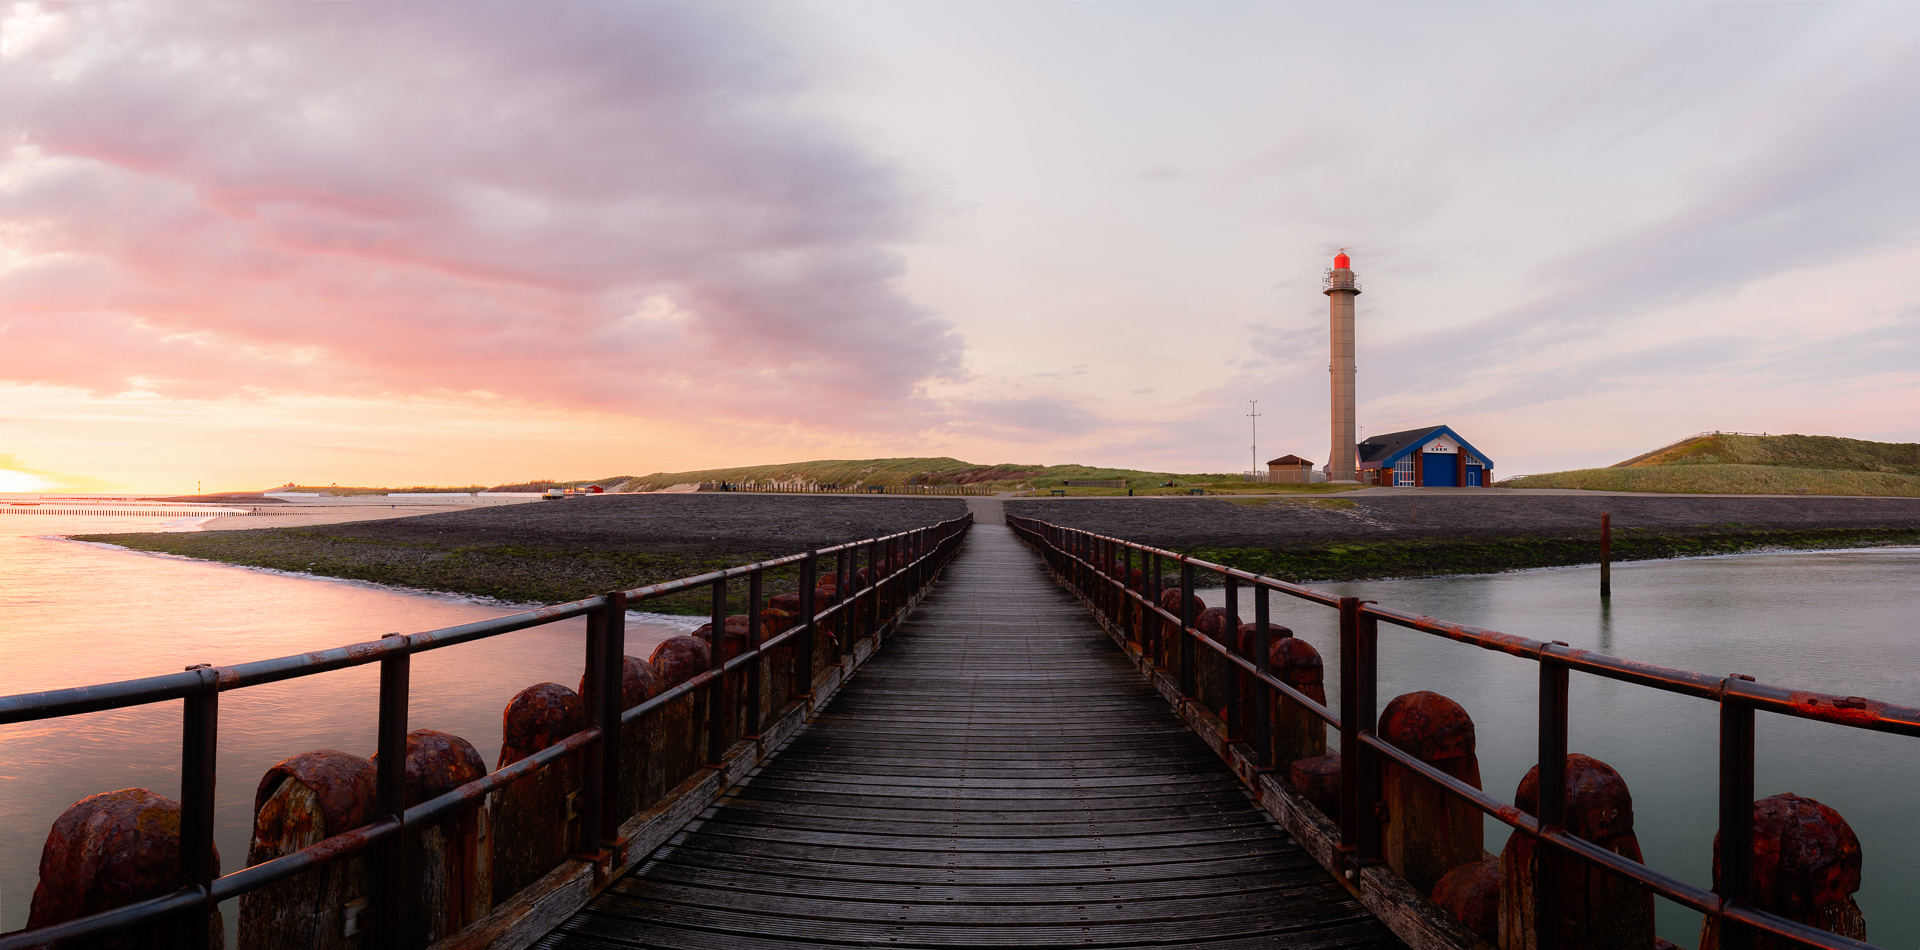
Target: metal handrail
(1081,558)
(920,551)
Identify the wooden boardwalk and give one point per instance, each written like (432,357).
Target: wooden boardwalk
(998,775)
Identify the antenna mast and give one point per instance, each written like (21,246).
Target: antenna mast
(1253,451)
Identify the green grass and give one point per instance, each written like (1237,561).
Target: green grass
(1755,465)
(951,471)
(1729,480)
(1788,451)
(344,491)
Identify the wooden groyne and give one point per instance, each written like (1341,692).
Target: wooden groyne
(833,488)
(48,508)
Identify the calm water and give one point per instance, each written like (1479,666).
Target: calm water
(73,614)
(1844,622)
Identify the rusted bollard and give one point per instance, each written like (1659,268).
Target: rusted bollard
(826,593)
(1296,733)
(535,821)
(683,747)
(1806,866)
(1470,894)
(1169,653)
(449,874)
(732,645)
(1599,910)
(1428,832)
(108,850)
(781,669)
(1211,670)
(1137,583)
(642,777)
(1318,781)
(300,801)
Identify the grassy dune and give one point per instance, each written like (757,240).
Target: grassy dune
(1787,451)
(949,471)
(1726,464)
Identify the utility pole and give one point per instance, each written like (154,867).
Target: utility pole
(1253,451)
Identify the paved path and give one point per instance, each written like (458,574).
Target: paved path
(997,776)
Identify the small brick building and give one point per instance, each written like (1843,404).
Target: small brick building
(1289,468)
(1431,456)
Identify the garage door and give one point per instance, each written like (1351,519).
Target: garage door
(1438,470)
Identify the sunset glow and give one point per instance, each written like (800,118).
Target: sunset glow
(11,481)
(650,237)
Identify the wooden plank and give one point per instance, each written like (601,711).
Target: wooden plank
(1000,775)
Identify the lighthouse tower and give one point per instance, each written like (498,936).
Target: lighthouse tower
(1341,288)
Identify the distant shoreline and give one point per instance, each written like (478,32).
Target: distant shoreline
(1367,536)
(557,551)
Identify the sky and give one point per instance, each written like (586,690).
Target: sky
(421,243)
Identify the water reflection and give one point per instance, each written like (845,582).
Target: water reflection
(73,614)
(1838,622)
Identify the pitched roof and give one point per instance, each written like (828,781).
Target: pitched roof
(1290,460)
(1378,447)
(1384,449)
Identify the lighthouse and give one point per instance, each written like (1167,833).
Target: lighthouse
(1340,288)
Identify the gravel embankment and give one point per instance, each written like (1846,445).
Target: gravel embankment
(548,552)
(1424,535)
(1191,522)
(693,523)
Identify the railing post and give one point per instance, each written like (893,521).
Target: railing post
(890,589)
(1154,625)
(1236,729)
(717,690)
(594,758)
(390,797)
(200,741)
(1187,679)
(754,591)
(1262,693)
(874,566)
(1126,593)
(1367,764)
(1359,707)
(842,591)
(1606,555)
(1548,870)
(613,667)
(804,644)
(1736,816)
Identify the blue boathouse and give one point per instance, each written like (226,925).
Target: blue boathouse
(1431,456)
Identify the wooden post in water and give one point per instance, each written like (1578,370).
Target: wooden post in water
(1606,555)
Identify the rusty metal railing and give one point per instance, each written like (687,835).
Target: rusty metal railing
(184,913)
(1082,558)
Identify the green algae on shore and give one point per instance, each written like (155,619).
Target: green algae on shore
(1350,560)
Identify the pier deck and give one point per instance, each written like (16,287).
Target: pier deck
(998,775)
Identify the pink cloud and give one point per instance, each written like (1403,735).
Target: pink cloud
(611,206)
